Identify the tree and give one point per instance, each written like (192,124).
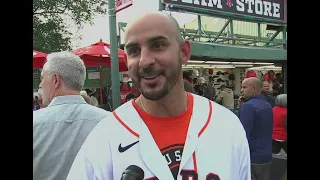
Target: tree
(50,30)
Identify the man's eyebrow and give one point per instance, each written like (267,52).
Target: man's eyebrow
(152,39)
(131,44)
(157,38)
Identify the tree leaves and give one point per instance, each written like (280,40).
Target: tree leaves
(50,30)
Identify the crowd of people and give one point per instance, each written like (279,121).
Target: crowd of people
(206,89)
(167,132)
(262,113)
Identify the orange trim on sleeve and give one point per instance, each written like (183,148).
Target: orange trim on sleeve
(208,120)
(124,125)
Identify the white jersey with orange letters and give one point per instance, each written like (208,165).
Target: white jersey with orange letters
(216,147)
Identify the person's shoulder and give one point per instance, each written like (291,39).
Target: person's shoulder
(40,115)
(223,114)
(218,111)
(101,130)
(110,119)
(93,111)
(264,101)
(98,140)
(124,107)
(249,104)
(226,123)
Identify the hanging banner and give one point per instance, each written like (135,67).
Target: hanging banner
(123,4)
(252,10)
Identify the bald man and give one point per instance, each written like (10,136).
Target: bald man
(167,132)
(256,117)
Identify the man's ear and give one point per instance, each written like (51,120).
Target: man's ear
(185,51)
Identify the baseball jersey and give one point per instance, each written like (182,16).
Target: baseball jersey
(215,147)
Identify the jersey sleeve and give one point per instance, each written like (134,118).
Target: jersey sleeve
(244,159)
(81,169)
(93,160)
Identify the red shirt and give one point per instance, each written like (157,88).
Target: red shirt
(169,133)
(279,129)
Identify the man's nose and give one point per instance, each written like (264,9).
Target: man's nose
(146,58)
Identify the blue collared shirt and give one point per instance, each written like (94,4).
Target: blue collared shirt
(59,130)
(256,116)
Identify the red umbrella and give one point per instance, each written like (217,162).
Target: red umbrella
(99,54)
(39,59)
(91,55)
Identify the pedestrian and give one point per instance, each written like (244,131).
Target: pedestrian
(60,129)
(257,119)
(167,132)
(279,137)
(186,84)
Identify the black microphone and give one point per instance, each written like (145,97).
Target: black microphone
(132,172)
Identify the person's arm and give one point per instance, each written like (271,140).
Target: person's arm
(247,117)
(93,161)
(243,164)
(244,160)
(81,169)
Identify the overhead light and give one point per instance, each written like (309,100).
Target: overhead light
(208,66)
(265,67)
(186,67)
(263,63)
(242,63)
(197,65)
(217,62)
(223,67)
(261,67)
(195,61)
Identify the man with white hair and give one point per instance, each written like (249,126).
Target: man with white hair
(60,129)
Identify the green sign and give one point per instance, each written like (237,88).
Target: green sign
(92,77)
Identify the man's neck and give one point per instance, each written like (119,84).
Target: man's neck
(173,104)
(66,92)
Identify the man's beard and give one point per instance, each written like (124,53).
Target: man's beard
(171,80)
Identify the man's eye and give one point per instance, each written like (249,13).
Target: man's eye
(133,51)
(158,45)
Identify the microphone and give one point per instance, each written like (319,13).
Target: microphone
(132,172)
